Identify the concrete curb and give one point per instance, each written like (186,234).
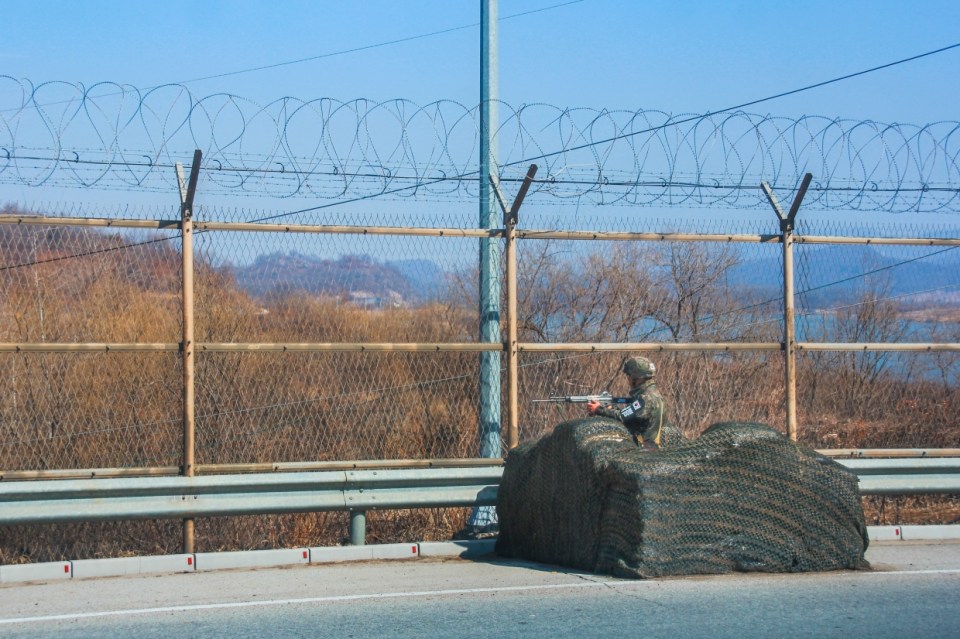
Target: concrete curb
(339,554)
(251,559)
(37,572)
(120,566)
(884,533)
(914,533)
(208,561)
(918,533)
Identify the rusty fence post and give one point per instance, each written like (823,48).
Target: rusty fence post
(787,227)
(187,469)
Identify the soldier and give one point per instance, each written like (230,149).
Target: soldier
(645,416)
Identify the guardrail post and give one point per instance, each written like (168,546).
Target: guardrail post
(358,527)
(187,192)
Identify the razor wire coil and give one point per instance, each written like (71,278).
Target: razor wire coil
(117,137)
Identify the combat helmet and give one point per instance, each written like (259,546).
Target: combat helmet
(639,368)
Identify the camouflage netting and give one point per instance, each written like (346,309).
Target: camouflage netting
(741,497)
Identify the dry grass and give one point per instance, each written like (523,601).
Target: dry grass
(923,509)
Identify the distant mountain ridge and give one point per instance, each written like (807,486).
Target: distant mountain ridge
(921,281)
(350,276)
(928,282)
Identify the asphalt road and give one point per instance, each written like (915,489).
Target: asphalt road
(912,591)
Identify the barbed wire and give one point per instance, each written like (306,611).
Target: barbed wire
(117,137)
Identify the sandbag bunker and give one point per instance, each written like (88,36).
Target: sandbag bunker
(741,497)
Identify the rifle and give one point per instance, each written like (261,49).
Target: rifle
(604,398)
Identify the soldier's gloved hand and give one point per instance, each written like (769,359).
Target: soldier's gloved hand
(592,407)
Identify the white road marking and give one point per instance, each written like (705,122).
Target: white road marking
(389,595)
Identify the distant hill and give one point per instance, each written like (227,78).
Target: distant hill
(426,278)
(826,276)
(832,274)
(356,277)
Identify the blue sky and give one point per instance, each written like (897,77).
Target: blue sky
(679,57)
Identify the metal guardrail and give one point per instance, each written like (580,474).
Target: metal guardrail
(906,476)
(75,500)
(233,469)
(382,464)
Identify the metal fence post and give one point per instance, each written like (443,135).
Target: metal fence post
(187,192)
(510,219)
(789,333)
(787,226)
(513,355)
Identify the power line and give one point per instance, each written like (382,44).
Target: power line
(635,133)
(373,46)
(710,318)
(61,258)
(875,271)
(889,298)
(805,314)
(740,106)
(333,53)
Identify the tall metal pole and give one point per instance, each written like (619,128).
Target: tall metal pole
(489,251)
(489,247)
(187,191)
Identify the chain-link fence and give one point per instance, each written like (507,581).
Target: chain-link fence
(372,354)
(316,343)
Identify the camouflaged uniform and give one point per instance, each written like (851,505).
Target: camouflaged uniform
(645,417)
